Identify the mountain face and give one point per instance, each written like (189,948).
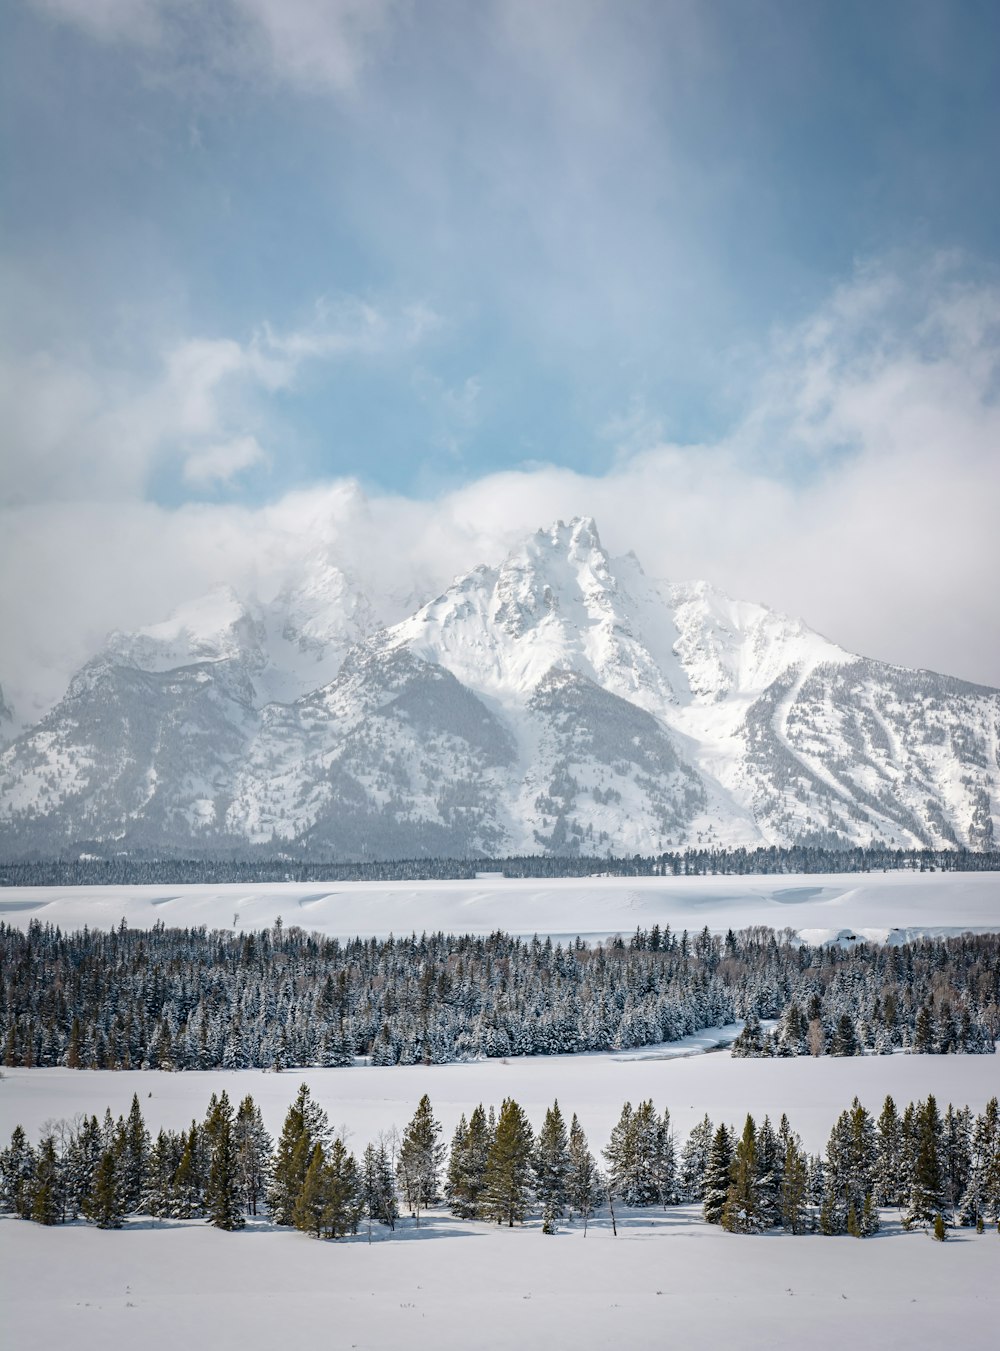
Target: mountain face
(562,702)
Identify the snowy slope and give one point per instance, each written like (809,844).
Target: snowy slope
(560,702)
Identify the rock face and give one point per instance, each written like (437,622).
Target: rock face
(562,702)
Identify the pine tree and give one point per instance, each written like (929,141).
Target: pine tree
(851,1155)
(665,1161)
(770,1167)
(717,1176)
(48,1187)
(844,1040)
(379,1186)
(552,1164)
(888,1191)
(927,1190)
(794,1193)
(186,1188)
(420,1157)
(82,1158)
(164,1158)
(694,1161)
(344,1192)
(105,1204)
(508,1166)
(253,1155)
(305,1127)
(309,1213)
(133,1150)
(981,1199)
(742,1211)
(583,1182)
(17,1175)
(223,1202)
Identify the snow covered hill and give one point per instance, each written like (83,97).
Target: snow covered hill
(561,702)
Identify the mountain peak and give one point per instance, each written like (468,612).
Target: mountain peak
(576,538)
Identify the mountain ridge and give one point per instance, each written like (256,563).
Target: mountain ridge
(560,702)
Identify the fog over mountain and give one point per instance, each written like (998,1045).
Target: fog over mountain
(561,702)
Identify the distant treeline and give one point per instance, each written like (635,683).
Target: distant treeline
(939,1169)
(139,870)
(193,999)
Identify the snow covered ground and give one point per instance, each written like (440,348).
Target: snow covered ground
(372,1099)
(880,906)
(666,1280)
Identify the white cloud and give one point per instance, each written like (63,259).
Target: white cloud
(82,431)
(223,462)
(859,492)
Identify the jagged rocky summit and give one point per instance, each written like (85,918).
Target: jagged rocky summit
(562,702)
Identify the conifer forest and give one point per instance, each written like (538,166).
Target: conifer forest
(939,1170)
(189,999)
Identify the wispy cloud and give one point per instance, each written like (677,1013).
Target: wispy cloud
(219,464)
(310,44)
(86,431)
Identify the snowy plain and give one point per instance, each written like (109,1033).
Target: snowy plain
(881,906)
(666,1279)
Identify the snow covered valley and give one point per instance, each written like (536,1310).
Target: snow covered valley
(890,906)
(667,1277)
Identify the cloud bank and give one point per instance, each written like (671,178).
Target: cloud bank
(858,490)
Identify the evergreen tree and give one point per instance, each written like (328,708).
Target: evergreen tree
(887,1183)
(379,1186)
(305,1127)
(794,1194)
(309,1212)
(133,1154)
(583,1182)
(253,1155)
(742,1212)
(223,1200)
(105,1205)
(82,1158)
(420,1157)
(981,1200)
(717,1176)
(770,1168)
(927,1190)
(344,1192)
(851,1153)
(47,1190)
(187,1186)
(17,1175)
(508,1166)
(552,1163)
(844,1040)
(164,1157)
(694,1161)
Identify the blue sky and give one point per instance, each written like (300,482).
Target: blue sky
(262,246)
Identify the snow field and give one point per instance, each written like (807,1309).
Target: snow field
(369,1100)
(665,1281)
(822,906)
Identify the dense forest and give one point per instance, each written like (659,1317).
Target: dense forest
(939,1169)
(193,999)
(137,869)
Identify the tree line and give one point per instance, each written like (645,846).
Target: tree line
(137,868)
(939,1170)
(192,999)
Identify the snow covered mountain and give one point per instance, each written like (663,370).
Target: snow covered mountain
(561,702)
